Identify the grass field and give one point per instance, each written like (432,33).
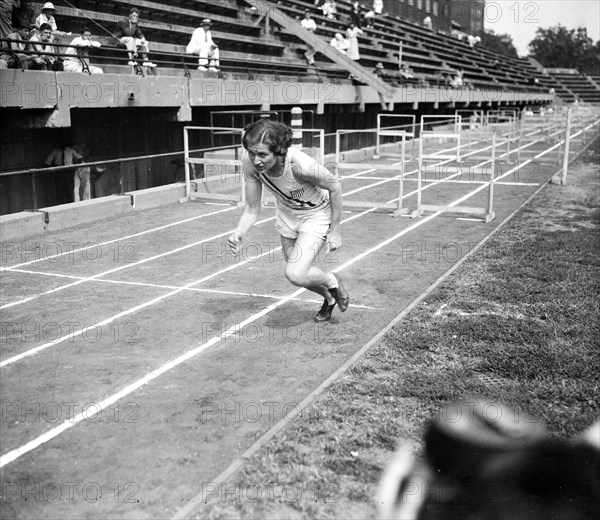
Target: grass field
(517,323)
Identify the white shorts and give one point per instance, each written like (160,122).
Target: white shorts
(290,223)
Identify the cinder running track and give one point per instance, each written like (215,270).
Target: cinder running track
(139,359)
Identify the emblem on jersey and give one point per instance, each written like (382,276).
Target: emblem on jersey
(296,194)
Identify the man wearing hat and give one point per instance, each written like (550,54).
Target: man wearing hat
(47,16)
(203,45)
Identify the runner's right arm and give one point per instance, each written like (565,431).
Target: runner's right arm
(253,192)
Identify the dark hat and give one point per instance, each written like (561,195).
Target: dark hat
(206,21)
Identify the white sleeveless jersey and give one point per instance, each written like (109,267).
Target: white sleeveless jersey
(290,192)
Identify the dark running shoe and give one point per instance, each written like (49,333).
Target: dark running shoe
(325,313)
(342,298)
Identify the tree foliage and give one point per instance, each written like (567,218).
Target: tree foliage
(499,43)
(559,47)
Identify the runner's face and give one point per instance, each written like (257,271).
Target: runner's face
(262,158)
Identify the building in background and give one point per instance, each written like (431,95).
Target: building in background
(464,15)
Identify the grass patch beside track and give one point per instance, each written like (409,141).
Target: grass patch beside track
(518,324)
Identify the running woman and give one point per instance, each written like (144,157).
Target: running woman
(308,208)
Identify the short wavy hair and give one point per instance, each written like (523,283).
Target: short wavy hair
(277,136)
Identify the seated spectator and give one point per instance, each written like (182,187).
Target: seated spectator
(310,25)
(428,23)
(340,43)
(128,32)
(473,40)
(369,18)
(47,16)
(457,80)
(14,54)
(76,56)
(379,68)
(203,45)
(406,72)
(329,9)
(42,42)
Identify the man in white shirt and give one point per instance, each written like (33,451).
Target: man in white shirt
(203,45)
(47,16)
(76,54)
(309,24)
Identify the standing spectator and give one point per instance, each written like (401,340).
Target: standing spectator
(378,6)
(355,14)
(6,9)
(15,55)
(340,43)
(203,45)
(329,9)
(352,33)
(310,25)
(43,43)
(428,23)
(23,14)
(64,155)
(77,53)
(82,186)
(129,34)
(47,16)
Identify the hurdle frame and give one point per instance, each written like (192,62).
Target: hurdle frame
(487,212)
(390,131)
(207,196)
(445,135)
(396,209)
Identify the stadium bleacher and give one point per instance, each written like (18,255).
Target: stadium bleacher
(581,87)
(245,44)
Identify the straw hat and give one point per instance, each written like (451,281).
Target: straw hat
(48,6)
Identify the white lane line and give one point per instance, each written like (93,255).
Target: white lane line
(152,230)
(38,441)
(173,287)
(54,432)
